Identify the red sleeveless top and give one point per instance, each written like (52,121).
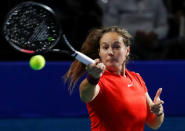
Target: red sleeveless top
(120,104)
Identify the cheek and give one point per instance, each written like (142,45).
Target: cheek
(122,56)
(102,55)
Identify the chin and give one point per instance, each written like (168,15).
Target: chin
(112,67)
(111,64)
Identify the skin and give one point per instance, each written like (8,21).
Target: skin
(113,54)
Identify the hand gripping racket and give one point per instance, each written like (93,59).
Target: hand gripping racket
(33,28)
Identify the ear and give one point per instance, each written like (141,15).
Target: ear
(128,51)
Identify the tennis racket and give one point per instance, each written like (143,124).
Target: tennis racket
(33,28)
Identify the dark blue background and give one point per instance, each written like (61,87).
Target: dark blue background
(28,93)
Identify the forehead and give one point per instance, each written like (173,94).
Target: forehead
(110,37)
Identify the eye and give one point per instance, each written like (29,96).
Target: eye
(116,45)
(105,47)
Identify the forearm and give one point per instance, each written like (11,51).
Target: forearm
(155,121)
(89,88)
(88,91)
(155,115)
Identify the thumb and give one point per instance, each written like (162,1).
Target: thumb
(157,96)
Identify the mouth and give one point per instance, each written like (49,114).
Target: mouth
(111,60)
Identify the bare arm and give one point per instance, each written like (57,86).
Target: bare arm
(156,117)
(88,90)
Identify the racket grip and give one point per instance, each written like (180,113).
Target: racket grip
(83,58)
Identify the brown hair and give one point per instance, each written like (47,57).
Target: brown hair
(90,48)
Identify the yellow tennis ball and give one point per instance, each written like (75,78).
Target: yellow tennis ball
(37,62)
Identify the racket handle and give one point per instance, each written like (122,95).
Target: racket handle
(83,58)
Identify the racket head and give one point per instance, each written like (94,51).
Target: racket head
(32,28)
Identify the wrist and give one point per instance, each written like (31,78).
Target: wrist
(92,80)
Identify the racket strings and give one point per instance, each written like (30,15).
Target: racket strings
(32,28)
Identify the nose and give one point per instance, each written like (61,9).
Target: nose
(110,52)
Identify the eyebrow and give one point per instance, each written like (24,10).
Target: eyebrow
(112,42)
(117,42)
(104,43)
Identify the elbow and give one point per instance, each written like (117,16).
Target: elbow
(154,127)
(83,95)
(84,98)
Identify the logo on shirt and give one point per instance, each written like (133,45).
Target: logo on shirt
(129,85)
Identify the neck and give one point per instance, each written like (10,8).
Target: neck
(123,73)
(118,71)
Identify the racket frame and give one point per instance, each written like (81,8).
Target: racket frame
(76,54)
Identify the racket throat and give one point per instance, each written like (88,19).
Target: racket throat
(63,51)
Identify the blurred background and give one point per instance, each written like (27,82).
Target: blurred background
(39,100)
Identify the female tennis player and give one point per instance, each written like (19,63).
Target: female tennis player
(117,99)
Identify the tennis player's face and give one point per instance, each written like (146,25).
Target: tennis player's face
(113,51)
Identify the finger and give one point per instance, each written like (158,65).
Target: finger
(92,64)
(158,92)
(101,66)
(155,106)
(157,110)
(157,96)
(97,61)
(160,102)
